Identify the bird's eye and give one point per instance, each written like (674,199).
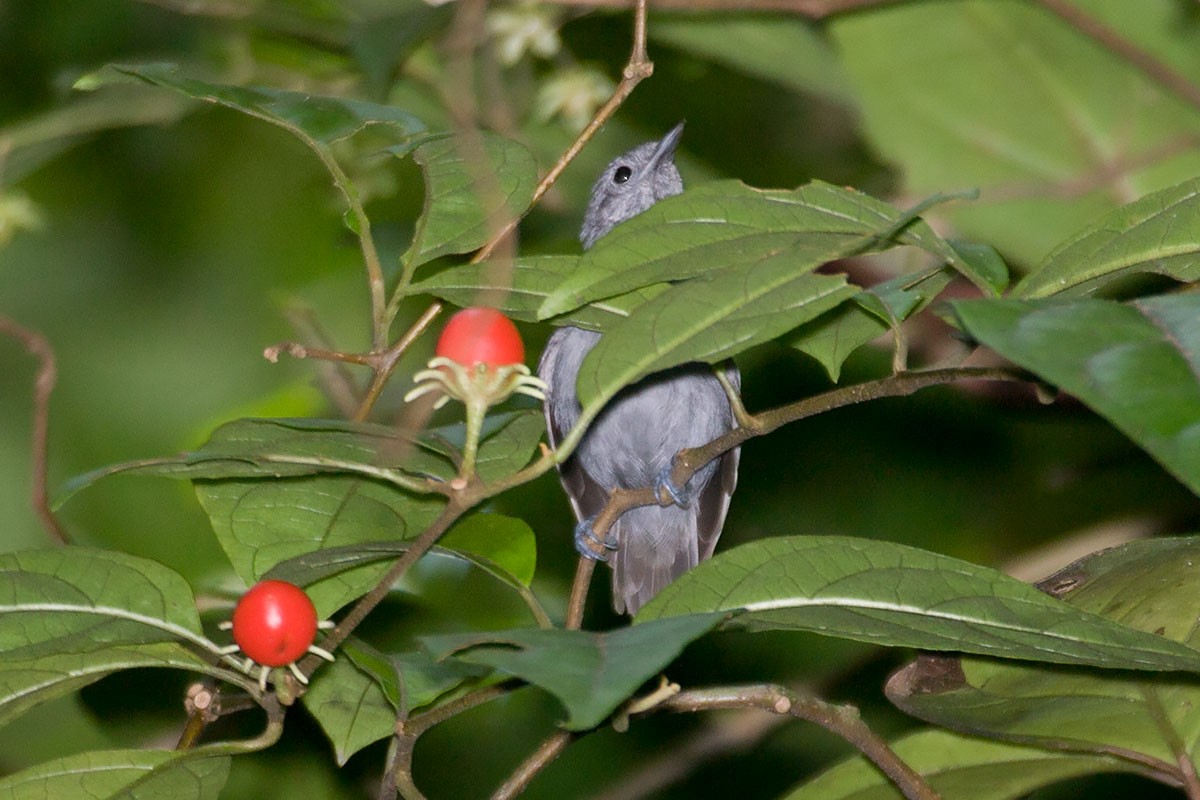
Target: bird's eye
(622,174)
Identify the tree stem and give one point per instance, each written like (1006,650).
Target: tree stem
(547,751)
(47,374)
(844,721)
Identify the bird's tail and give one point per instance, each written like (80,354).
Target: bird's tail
(657,544)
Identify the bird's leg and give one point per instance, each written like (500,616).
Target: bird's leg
(588,544)
(663,483)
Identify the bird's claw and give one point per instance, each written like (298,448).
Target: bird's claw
(663,483)
(588,544)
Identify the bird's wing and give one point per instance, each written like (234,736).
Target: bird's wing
(587,497)
(713,503)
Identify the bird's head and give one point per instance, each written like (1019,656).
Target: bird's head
(631,184)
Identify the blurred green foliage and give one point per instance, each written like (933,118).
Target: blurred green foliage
(163,244)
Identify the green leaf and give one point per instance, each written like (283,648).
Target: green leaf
(765,245)
(278,448)
(891,594)
(1136,365)
(983,261)
(503,546)
(276,489)
(299,447)
(320,120)
(121,775)
(505,542)
(590,673)
(728,226)
(422,680)
(470,193)
(786,50)
(508,443)
(260,523)
(1065,131)
(350,707)
(1148,586)
(1159,233)
(520,291)
(79,599)
(957,768)
(708,320)
(833,336)
(412,679)
(26,682)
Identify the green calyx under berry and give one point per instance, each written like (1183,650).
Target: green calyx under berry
(478,360)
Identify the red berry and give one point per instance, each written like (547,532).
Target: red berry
(481,336)
(274,623)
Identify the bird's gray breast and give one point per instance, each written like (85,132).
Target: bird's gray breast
(642,428)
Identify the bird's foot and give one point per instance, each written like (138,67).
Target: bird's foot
(589,545)
(664,484)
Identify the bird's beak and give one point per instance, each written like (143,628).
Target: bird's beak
(666,148)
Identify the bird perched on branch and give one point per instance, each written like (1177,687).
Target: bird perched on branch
(632,443)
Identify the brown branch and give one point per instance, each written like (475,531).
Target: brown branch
(843,721)
(203,706)
(399,775)
(389,358)
(382,362)
(39,347)
(301,351)
(439,714)
(334,377)
(579,591)
(399,772)
(1156,70)
(688,462)
(547,751)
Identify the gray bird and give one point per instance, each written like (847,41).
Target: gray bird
(633,441)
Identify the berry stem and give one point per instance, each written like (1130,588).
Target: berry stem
(476,407)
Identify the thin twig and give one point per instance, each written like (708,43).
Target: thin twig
(39,347)
(547,751)
(389,358)
(844,721)
(422,722)
(813,9)
(303,351)
(636,70)
(334,377)
(1153,68)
